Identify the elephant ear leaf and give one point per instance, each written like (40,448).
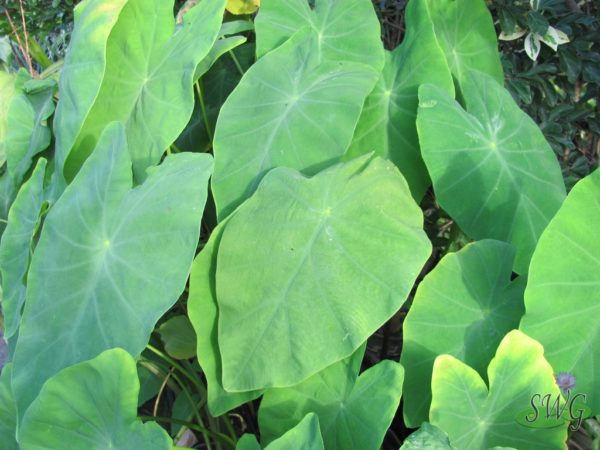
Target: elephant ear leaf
(8,410)
(92,405)
(305,435)
(491,167)
(120,259)
(562,299)
(477,416)
(427,437)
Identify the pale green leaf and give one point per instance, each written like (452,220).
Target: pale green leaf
(92,406)
(288,110)
(491,167)
(178,337)
(387,123)
(427,437)
(308,268)
(120,259)
(562,299)
(463,308)
(477,416)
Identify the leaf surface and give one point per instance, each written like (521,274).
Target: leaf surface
(8,412)
(308,268)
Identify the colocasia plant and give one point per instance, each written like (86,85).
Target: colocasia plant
(313,149)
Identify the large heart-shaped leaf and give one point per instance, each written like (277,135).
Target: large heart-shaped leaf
(491,167)
(17,245)
(318,264)
(427,437)
(92,405)
(477,417)
(346,30)
(120,259)
(354,412)
(288,110)
(203,312)
(387,123)
(466,33)
(464,307)
(148,79)
(28,131)
(8,412)
(304,436)
(562,299)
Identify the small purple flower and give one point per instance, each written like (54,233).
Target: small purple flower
(565,381)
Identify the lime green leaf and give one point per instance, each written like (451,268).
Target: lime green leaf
(8,192)
(120,259)
(7,92)
(8,412)
(477,417)
(299,281)
(288,110)
(353,411)
(178,337)
(466,33)
(463,308)
(91,405)
(242,6)
(28,131)
(203,312)
(304,436)
(427,437)
(82,73)
(17,245)
(148,79)
(346,30)
(562,299)
(387,123)
(491,167)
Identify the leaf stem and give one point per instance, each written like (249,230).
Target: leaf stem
(220,436)
(236,62)
(203,108)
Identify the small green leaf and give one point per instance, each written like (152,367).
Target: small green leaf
(491,167)
(297,275)
(347,405)
(477,416)
(562,299)
(179,338)
(93,406)
(427,437)
(463,308)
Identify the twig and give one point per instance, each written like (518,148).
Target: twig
(24,49)
(27,56)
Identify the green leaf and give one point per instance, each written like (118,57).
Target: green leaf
(308,268)
(477,417)
(148,79)
(203,312)
(346,30)
(8,412)
(562,299)
(8,192)
(28,131)
(387,123)
(120,259)
(83,70)
(491,167)
(537,23)
(354,412)
(288,110)
(7,92)
(178,337)
(149,384)
(463,308)
(466,33)
(304,436)
(427,437)
(91,405)
(17,245)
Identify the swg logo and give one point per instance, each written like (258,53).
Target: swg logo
(548,412)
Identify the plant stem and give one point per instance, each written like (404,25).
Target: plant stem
(236,62)
(222,437)
(203,108)
(194,380)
